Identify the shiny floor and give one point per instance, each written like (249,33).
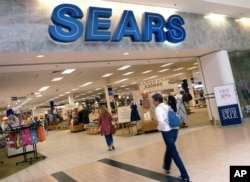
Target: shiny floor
(207,152)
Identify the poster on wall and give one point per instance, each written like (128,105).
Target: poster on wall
(228,106)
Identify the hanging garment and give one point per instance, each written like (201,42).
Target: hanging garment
(26,137)
(12,140)
(34,135)
(18,140)
(40,134)
(134,113)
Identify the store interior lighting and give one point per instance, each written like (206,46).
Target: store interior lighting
(124,67)
(68,71)
(43,88)
(165,65)
(57,79)
(214,16)
(107,75)
(148,71)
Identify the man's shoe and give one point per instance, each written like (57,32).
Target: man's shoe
(184,179)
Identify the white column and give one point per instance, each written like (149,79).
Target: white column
(215,70)
(108,98)
(71,99)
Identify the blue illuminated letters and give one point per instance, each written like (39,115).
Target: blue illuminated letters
(68,26)
(65,17)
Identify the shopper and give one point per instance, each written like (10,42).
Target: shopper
(105,125)
(172,101)
(169,136)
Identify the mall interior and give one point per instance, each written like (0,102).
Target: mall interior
(60,61)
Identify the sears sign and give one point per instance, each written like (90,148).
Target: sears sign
(68,26)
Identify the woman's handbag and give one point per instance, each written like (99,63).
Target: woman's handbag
(113,129)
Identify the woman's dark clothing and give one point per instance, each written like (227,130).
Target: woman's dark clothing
(134,113)
(172,102)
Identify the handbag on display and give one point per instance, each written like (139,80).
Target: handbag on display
(113,129)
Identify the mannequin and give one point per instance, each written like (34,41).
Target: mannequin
(134,115)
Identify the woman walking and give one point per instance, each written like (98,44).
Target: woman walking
(105,125)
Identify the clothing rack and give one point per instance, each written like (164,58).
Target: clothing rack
(25,153)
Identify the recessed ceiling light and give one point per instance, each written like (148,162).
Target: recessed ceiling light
(126,53)
(214,16)
(148,71)
(195,63)
(165,65)
(151,77)
(68,71)
(43,88)
(178,69)
(40,56)
(61,95)
(127,88)
(38,95)
(75,89)
(123,80)
(107,75)
(163,70)
(128,73)
(98,89)
(124,67)
(67,92)
(57,79)
(86,84)
(175,75)
(191,68)
(134,83)
(123,86)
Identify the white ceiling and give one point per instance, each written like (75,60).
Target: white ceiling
(232,8)
(24,74)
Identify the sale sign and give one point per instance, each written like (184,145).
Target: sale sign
(227,104)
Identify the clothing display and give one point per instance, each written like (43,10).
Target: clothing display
(145,100)
(25,135)
(134,113)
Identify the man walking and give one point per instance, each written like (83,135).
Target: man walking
(169,136)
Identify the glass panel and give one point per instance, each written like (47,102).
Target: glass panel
(240,62)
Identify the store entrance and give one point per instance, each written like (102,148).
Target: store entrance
(66,90)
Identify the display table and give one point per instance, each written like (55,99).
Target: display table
(75,128)
(92,128)
(127,126)
(149,126)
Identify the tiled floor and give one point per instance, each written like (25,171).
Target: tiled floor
(207,152)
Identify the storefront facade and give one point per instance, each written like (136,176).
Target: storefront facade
(30,27)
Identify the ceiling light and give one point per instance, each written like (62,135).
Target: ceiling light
(89,92)
(243,20)
(82,94)
(107,75)
(86,84)
(148,71)
(126,53)
(68,71)
(61,95)
(178,69)
(75,89)
(214,16)
(175,75)
(43,88)
(151,77)
(40,56)
(57,79)
(123,86)
(191,68)
(123,80)
(165,65)
(127,88)
(163,70)
(38,95)
(134,83)
(124,67)
(67,92)
(98,89)
(195,63)
(128,73)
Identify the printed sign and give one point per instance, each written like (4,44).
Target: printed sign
(156,85)
(227,104)
(124,114)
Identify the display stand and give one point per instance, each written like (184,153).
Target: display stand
(18,129)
